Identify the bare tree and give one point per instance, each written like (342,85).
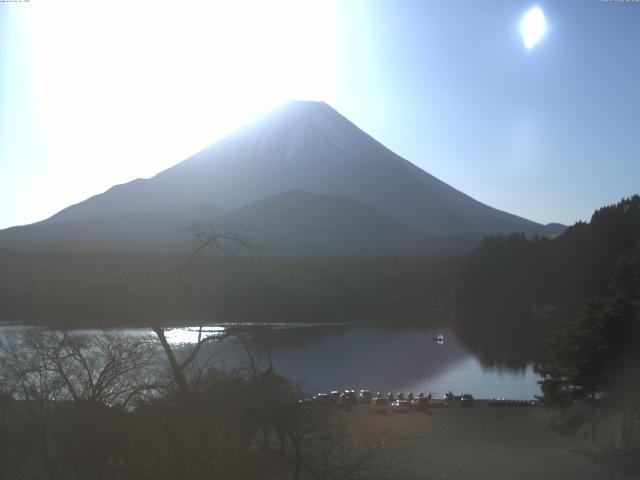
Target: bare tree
(242,403)
(206,236)
(109,368)
(73,392)
(179,366)
(210,236)
(315,445)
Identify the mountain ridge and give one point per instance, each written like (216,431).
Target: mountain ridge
(305,146)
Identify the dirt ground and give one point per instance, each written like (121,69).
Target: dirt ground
(477,443)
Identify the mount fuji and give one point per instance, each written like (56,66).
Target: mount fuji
(303,177)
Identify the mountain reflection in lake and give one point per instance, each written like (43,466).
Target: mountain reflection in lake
(326,357)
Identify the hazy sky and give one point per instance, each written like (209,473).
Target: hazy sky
(95,93)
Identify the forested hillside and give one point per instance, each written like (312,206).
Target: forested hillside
(512,289)
(515,272)
(120,289)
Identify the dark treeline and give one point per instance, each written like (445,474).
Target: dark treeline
(509,291)
(594,355)
(580,295)
(593,370)
(106,407)
(515,272)
(512,289)
(123,289)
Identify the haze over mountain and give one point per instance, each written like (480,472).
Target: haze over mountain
(303,223)
(302,176)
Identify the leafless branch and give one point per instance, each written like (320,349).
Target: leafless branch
(210,235)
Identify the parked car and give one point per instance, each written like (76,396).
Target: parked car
(379,405)
(400,406)
(503,402)
(335,396)
(350,396)
(438,400)
(466,400)
(322,399)
(452,398)
(365,396)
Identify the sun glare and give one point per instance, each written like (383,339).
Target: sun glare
(141,86)
(533,27)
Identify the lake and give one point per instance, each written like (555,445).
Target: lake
(323,357)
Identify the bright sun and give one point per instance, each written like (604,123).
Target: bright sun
(533,26)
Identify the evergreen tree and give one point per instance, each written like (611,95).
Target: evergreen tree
(594,360)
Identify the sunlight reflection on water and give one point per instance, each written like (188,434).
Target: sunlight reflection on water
(322,357)
(186,335)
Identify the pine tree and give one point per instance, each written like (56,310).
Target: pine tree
(594,360)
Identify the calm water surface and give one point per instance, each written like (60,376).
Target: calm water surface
(380,358)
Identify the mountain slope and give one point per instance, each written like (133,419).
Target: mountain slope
(308,146)
(129,232)
(304,223)
(294,223)
(298,146)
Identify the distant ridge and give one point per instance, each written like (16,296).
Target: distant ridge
(304,223)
